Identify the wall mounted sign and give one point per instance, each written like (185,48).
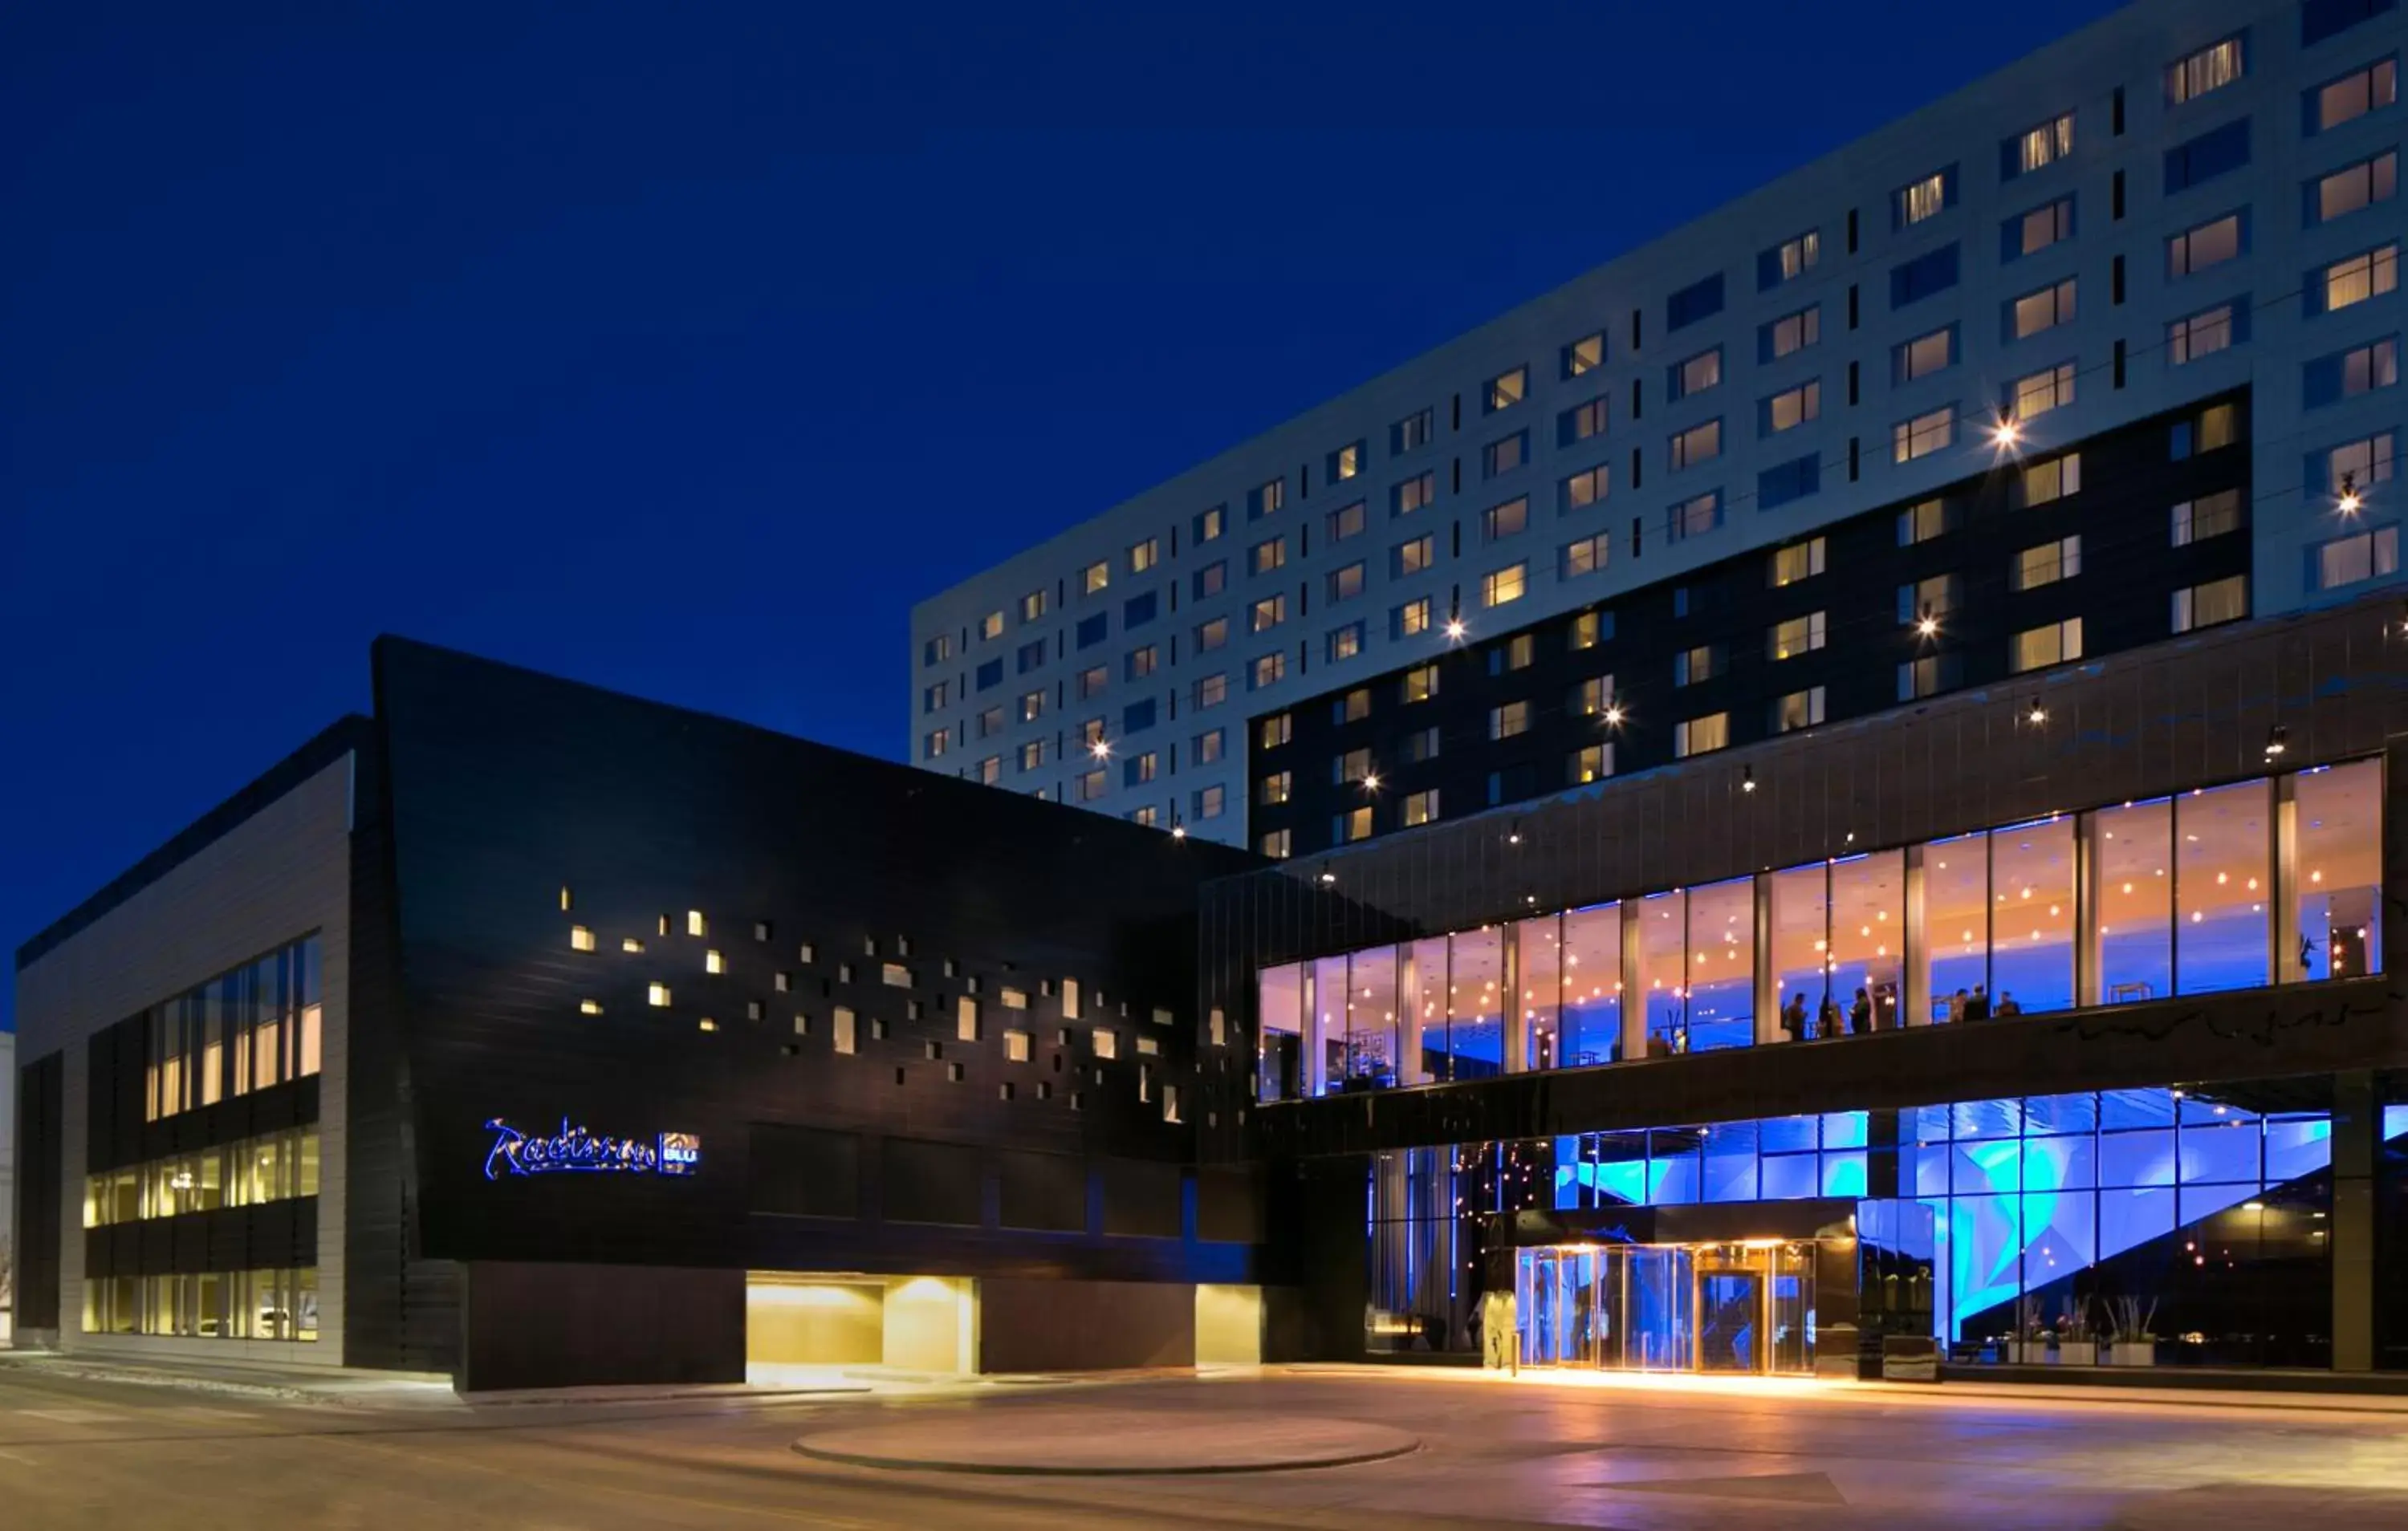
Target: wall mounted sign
(573,1150)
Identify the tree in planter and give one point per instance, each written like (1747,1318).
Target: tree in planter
(2129,1343)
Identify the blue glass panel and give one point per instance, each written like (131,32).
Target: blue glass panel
(2061,1237)
(1970,1119)
(1843,1130)
(1984,1252)
(1987,1167)
(2062,1113)
(2137,1158)
(1943,1275)
(1674,1181)
(2128,1219)
(1789,1177)
(2136,1109)
(1567,1174)
(1931,1170)
(2296,1146)
(2060,1164)
(1787,1133)
(1844,1174)
(1730,1163)
(2221,1154)
(1925,1123)
(2395,1121)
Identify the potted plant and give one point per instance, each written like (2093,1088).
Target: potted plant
(2129,1343)
(2029,1346)
(2076,1345)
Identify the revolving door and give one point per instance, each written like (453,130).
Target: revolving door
(1734,1307)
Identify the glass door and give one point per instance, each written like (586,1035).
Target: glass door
(1730,1320)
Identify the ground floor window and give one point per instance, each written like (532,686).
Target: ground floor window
(208,1305)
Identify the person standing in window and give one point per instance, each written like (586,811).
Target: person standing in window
(1793,1018)
(1860,1015)
(1827,1019)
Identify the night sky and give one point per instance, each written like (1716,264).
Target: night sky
(681,348)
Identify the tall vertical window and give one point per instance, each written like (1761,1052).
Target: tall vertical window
(247,1029)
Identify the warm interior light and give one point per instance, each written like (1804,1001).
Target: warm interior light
(2006,433)
(1454,627)
(1370,782)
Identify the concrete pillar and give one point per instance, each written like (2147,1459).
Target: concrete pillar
(1634,1002)
(2357,1144)
(1914,1003)
(1408,1015)
(2087,905)
(1767,982)
(1512,1010)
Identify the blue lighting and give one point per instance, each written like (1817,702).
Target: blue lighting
(573,1150)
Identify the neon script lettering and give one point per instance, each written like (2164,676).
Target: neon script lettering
(573,1150)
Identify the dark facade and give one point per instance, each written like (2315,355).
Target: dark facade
(1506,715)
(836,1018)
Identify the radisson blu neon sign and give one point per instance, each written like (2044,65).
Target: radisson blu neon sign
(575,1151)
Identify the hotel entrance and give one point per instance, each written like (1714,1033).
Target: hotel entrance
(1796,1288)
(1745,1307)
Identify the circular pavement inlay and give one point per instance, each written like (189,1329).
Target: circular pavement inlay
(1105,1441)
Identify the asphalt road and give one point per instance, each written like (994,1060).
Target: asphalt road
(84,1453)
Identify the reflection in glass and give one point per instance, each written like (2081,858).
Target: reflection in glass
(2031,941)
(1721,964)
(2339,874)
(1280,1029)
(2223,878)
(1475,1001)
(1802,947)
(1592,986)
(1538,961)
(1663,971)
(2135,925)
(1372,1018)
(1425,989)
(1325,1033)
(1956,920)
(1867,940)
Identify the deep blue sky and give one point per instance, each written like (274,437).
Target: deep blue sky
(680,349)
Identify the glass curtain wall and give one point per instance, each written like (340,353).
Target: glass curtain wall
(2186,897)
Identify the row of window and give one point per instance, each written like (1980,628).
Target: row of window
(2183,900)
(255,1026)
(209,1305)
(276,1166)
(2367,89)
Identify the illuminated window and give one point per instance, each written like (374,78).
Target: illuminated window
(1347,521)
(1924,355)
(1588,629)
(589,1007)
(2211,244)
(2044,309)
(2205,606)
(1697,373)
(1790,258)
(713,963)
(1698,735)
(1141,662)
(1792,333)
(1797,710)
(1507,389)
(695,925)
(1926,198)
(1351,706)
(565,901)
(1032,605)
(2359,277)
(1924,435)
(2042,227)
(1345,583)
(1411,618)
(1419,808)
(1420,684)
(1503,585)
(1144,555)
(2365,555)
(657,996)
(1592,763)
(1269,555)
(1692,666)
(990,625)
(2358,186)
(2038,648)
(1693,517)
(1016,1047)
(1092,682)
(1096,576)
(580,938)
(1210,524)
(841,1028)
(1798,560)
(2200,334)
(1276,730)
(1413,494)
(2045,565)
(1504,454)
(1583,489)
(1275,788)
(1499,521)
(1354,824)
(1208,802)
(1585,354)
(1588,556)
(2041,482)
(1798,635)
(2210,515)
(1922,521)
(2209,69)
(1415,555)
(629,944)
(2036,149)
(1506,722)
(1274,844)
(1212,690)
(1414,430)
(1793,408)
(2042,392)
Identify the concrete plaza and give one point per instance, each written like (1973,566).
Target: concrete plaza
(1447,1449)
